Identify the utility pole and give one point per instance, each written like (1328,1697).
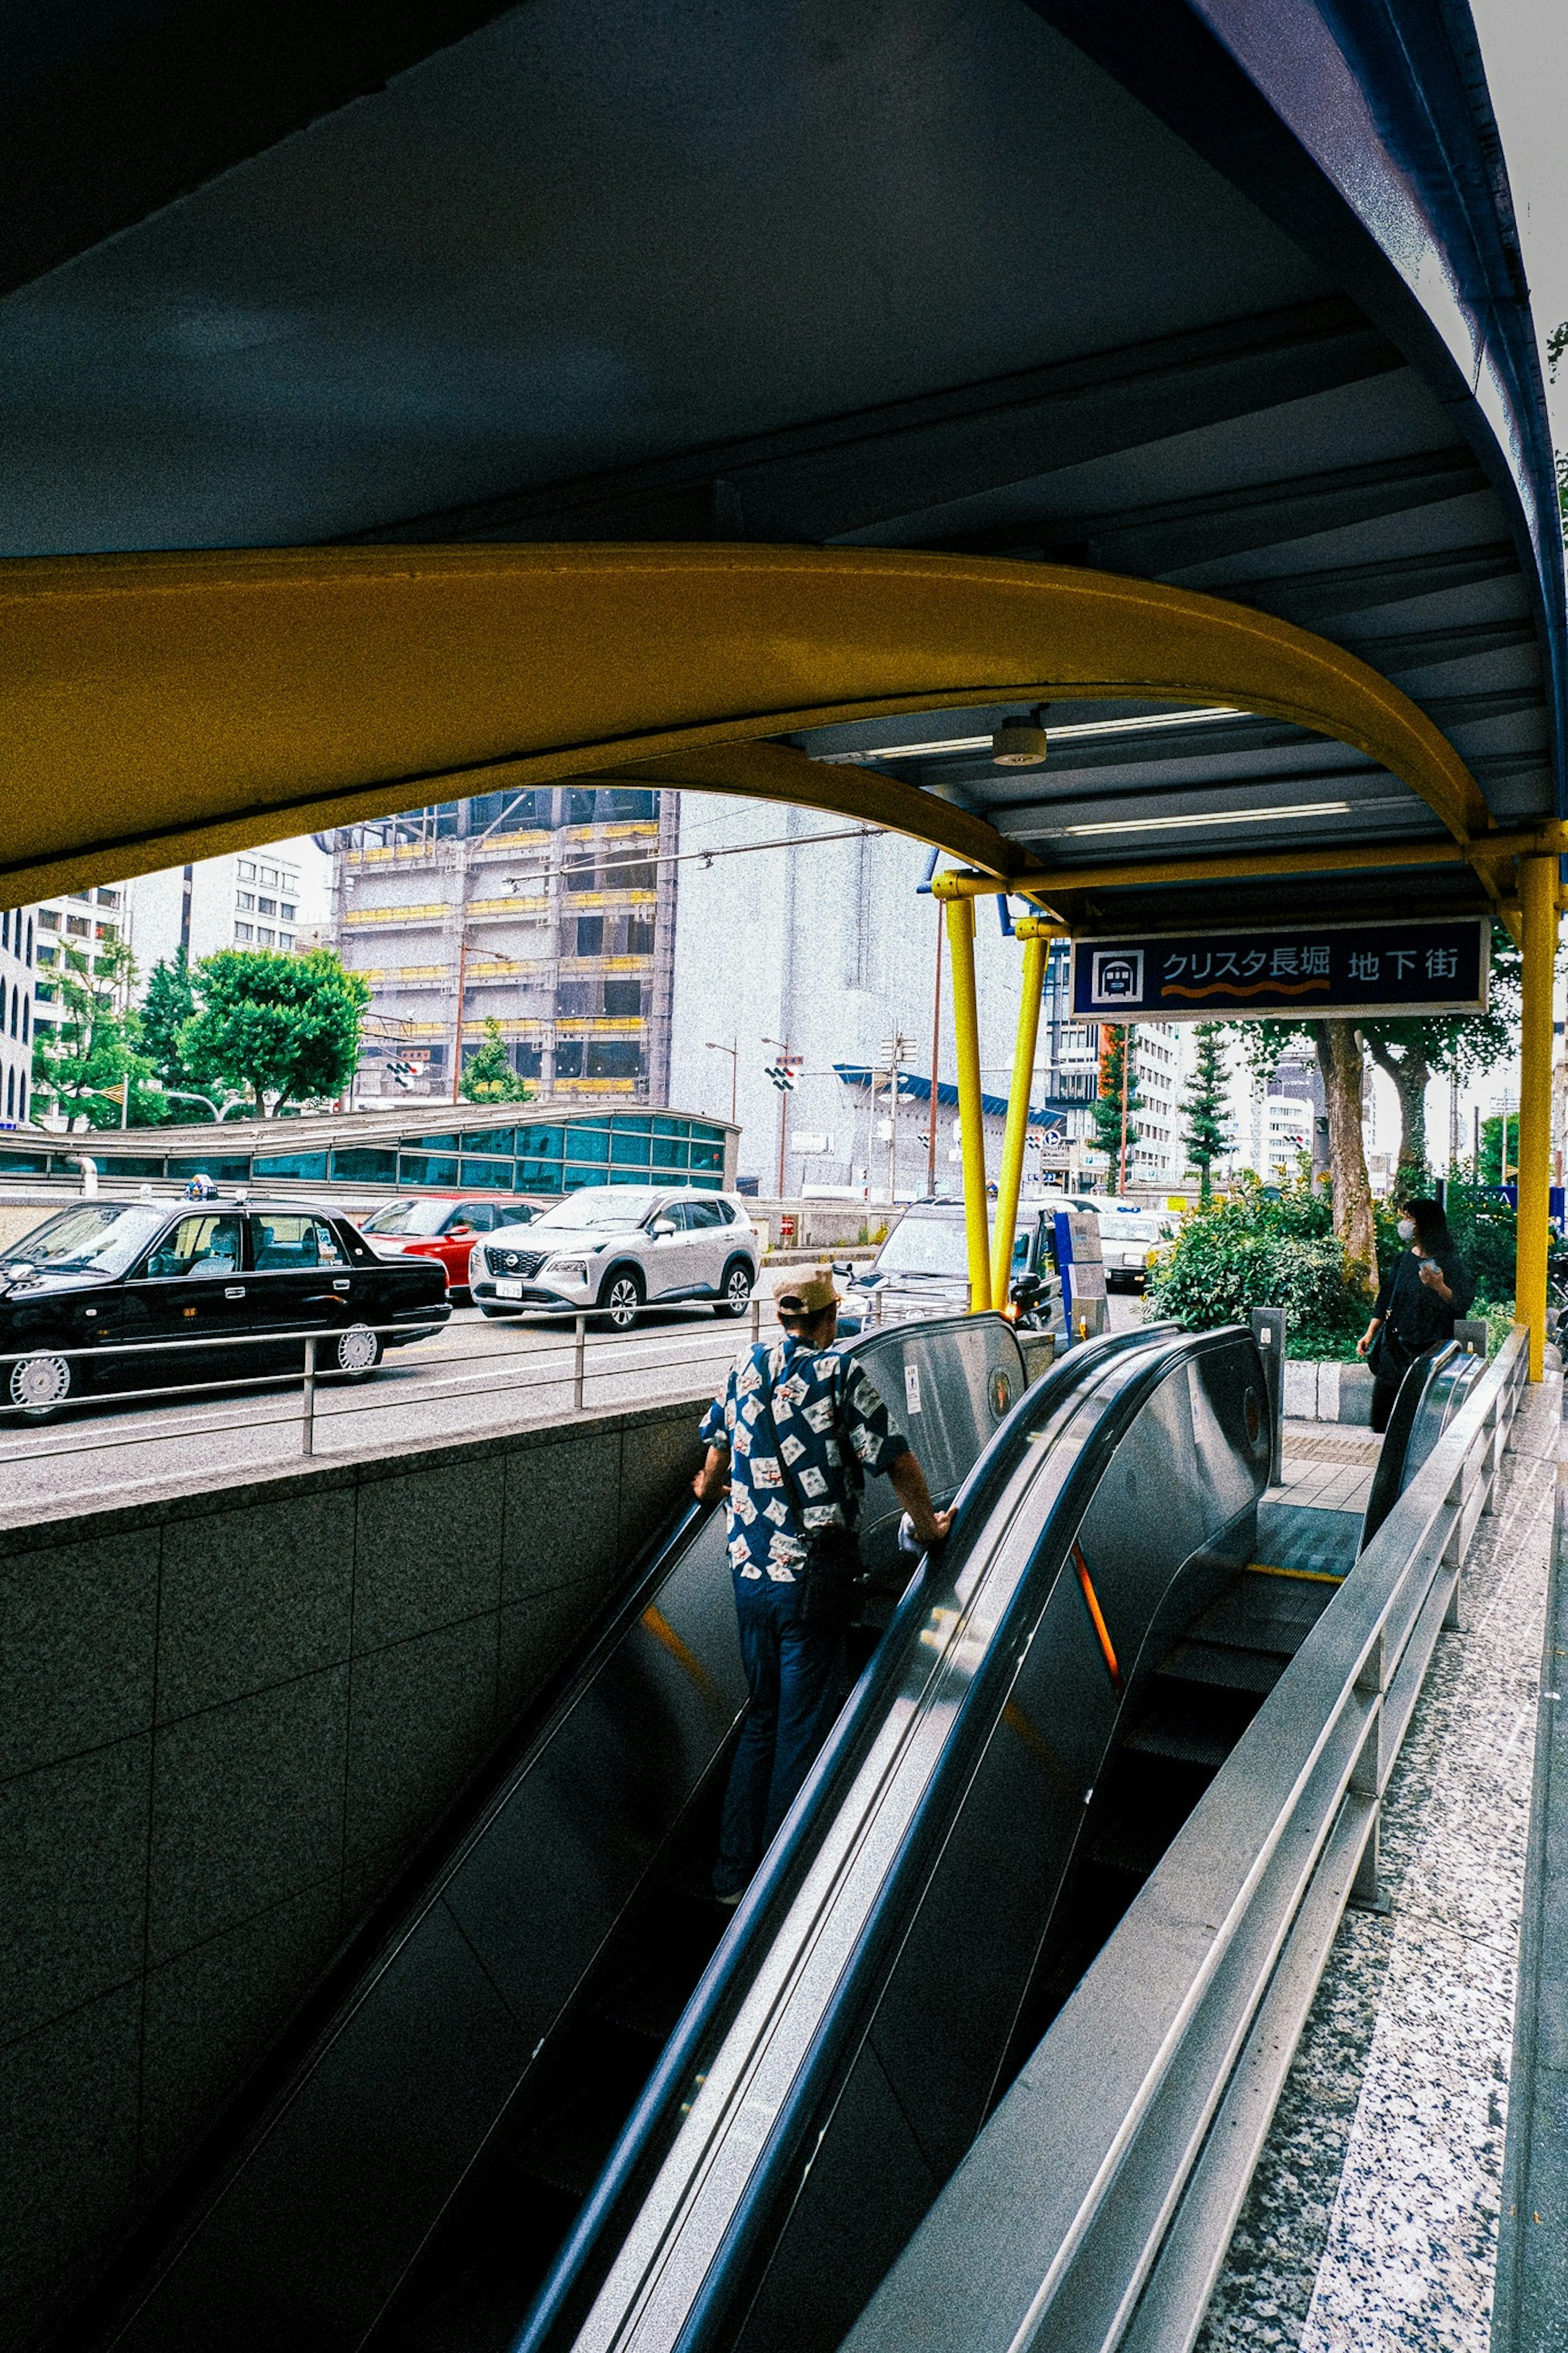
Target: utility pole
(784,1074)
(895,1054)
(1126,1058)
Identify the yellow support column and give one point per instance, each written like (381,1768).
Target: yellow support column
(1010,1182)
(971,1107)
(1538,900)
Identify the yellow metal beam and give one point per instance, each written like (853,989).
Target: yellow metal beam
(1010,1179)
(1538,896)
(1487,852)
(157,708)
(971,1101)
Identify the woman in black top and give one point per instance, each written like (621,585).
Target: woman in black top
(1428,1287)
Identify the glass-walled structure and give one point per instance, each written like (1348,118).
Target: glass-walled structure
(474,1151)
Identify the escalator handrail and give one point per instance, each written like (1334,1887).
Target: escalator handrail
(1079,2176)
(1153,1350)
(751,1920)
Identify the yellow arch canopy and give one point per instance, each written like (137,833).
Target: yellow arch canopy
(163,707)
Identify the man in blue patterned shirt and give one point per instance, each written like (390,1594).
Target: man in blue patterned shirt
(832,1428)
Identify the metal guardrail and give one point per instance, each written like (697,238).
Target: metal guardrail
(498,1373)
(1096,2207)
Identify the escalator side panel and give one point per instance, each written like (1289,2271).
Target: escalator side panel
(606,1792)
(948,1386)
(1168,1524)
(351,2171)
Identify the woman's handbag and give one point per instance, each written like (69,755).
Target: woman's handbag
(829,1600)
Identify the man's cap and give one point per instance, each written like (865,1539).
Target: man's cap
(812,1297)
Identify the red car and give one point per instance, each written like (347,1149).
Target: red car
(444,1225)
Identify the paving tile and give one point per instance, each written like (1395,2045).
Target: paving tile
(68,2157)
(248,1807)
(212,2013)
(73,1880)
(76,1623)
(253,1597)
(427,1551)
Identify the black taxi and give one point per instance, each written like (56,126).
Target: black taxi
(117,1295)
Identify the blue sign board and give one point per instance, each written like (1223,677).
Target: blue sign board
(1368,968)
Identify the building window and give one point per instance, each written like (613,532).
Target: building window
(269,877)
(10,1094)
(244,932)
(622,998)
(590,936)
(78,927)
(263,936)
(47,956)
(48,917)
(569,1059)
(287,911)
(5,929)
(47,995)
(267,906)
(613,1057)
(108,898)
(244,900)
(29,939)
(285,941)
(635,874)
(529,1060)
(575,999)
(582,874)
(639,936)
(247,870)
(26,1022)
(22,1098)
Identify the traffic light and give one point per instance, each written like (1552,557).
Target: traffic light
(403,1075)
(786,1070)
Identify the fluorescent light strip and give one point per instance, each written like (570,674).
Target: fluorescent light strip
(1146,726)
(1219,817)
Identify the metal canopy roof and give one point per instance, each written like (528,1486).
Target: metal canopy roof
(1221,295)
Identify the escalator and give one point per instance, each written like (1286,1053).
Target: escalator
(1048,1706)
(501,2031)
(527,2104)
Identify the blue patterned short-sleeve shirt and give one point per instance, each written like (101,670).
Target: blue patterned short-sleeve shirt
(823,1403)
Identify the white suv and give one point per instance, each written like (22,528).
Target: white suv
(617,1248)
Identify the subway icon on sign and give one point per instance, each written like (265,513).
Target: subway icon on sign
(1439,967)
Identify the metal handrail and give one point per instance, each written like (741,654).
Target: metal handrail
(1095,2208)
(546,1370)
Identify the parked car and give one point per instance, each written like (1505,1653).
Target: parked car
(615,1248)
(1127,1236)
(922,1269)
(443,1225)
(142,1281)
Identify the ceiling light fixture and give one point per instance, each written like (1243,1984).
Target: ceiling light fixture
(1020,741)
(1148,724)
(1215,816)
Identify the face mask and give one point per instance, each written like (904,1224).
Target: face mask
(1407,1229)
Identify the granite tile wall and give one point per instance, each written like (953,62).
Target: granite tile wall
(224,1721)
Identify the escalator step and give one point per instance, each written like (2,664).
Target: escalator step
(1226,1667)
(1181,1747)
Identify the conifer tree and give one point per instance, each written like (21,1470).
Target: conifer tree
(1208,1118)
(1109,1109)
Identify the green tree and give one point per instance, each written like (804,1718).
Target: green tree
(1342,1065)
(170,1003)
(490,1076)
(93,1046)
(286,1029)
(1209,1120)
(1115,1060)
(1457,1046)
(1490,1171)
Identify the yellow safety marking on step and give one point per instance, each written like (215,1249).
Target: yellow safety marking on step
(1307,1575)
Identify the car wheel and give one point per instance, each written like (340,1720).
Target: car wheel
(40,1386)
(621,1299)
(737,1294)
(359,1352)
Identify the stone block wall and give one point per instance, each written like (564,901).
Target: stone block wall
(225,1720)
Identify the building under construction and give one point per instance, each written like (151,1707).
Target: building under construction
(551,911)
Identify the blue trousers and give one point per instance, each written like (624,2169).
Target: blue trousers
(792,1675)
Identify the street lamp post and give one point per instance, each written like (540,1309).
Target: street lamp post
(733,1051)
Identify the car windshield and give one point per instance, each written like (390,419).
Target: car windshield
(600,1207)
(408,1217)
(106,1239)
(1130,1225)
(924,1243)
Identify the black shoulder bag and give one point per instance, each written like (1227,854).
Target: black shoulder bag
(829,1600)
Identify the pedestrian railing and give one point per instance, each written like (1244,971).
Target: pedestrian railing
(1095,2208)
(586,1371)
